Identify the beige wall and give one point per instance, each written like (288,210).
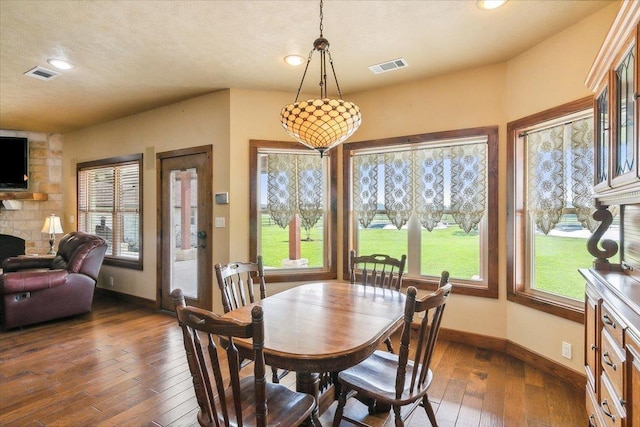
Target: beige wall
(196,122)
(547,75)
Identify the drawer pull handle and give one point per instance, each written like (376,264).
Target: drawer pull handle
(607,360)
(593,347)
(607,411)
(607,321)
(592,420)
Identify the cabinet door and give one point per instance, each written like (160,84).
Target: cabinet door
(592,344)
(602,148)
(624,148)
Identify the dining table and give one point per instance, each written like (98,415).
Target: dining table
(323,327)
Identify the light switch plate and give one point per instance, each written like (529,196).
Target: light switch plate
(566,350)
(219,222)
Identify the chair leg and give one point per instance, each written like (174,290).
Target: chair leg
(429,410)
(342,401)
(274,375)
(398,416)
(389,345)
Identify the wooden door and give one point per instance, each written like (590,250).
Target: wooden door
(185,226)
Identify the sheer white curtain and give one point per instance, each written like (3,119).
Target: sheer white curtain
(560,173)
(295,186)
(426,181)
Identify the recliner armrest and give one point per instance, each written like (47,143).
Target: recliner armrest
(26,262)
(26,281)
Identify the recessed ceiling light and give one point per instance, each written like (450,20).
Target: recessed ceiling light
(490,4)
(294,60)
(60,64)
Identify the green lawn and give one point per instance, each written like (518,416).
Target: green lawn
(446,249)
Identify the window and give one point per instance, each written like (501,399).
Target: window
(293,212)
(431,197)
(110,206)
(550,189)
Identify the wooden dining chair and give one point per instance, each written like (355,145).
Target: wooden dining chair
(223,396)
(377,270)
(394,380)
(236,281)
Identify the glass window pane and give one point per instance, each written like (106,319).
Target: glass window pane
(419,185)
(449,248)
(292,191)
(109,206)
(382,237)
(554,271)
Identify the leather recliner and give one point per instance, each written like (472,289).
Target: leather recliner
(36,289)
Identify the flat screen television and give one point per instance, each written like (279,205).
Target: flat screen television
(14,163)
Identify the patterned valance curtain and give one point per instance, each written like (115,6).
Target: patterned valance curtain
(365,183)
(561,173)
(294,186)
(426,182)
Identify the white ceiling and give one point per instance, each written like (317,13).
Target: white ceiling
(132,56)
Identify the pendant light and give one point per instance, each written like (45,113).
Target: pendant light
(322,123)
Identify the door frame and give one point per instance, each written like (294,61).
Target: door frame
(207,209)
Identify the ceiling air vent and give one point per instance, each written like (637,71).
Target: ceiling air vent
(388,66)
(42,73)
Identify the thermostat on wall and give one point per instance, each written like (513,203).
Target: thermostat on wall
(222,198)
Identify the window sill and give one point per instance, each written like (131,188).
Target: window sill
(536,302)
(122,263)
(297,276)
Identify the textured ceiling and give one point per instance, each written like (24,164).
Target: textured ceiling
(132,56)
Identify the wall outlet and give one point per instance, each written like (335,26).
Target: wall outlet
(567,350)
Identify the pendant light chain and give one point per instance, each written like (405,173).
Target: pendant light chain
(321,18)
(323,62)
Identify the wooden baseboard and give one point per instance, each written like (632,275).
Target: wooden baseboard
(519,352)
(476,340)
(143,302)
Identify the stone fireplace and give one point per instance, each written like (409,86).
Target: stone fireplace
(23,218)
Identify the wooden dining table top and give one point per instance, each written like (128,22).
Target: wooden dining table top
(325,326)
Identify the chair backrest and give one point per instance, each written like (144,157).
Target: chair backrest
(376,270)
(236,281)
(432,307)
(444,279)
(215,392)
(80,252)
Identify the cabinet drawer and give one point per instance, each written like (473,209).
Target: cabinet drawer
(593,409)
(613,363)
(612,413)
(612,324)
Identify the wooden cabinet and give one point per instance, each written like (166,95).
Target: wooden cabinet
(612,348)
(614,80)
(612,303)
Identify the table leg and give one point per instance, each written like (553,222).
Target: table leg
(310,383)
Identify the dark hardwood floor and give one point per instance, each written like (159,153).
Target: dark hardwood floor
(125,366)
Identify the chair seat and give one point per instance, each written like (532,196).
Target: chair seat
(284,406)
(376,377)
